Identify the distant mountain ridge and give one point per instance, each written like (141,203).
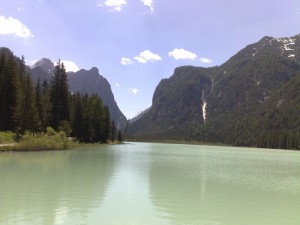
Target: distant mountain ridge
(250,100)
(83,81)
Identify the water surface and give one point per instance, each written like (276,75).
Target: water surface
(141,183)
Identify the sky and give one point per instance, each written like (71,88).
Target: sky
(136,43)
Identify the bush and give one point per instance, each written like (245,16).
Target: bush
(65,127)
(49,141)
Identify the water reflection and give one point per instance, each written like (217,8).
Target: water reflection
(46,187)
(196,185)
(150,184)
(178,185)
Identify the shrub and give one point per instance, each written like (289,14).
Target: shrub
(49,141)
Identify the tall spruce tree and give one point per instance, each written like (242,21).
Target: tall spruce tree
(46,106)
(11,90)
(77,122)
(3,65)
(27,112)
(59,96)
(113,131)
(106,124)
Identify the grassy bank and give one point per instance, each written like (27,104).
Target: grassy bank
(7,137)
(50,140)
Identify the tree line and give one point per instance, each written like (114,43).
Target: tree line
(28,107)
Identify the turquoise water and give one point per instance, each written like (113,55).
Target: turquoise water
(141,183)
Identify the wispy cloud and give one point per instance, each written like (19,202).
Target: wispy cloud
(118,85)
(114,4)
(147,56)
(180,53)
(132,91)
(126,61)
(148,3)
(20,9)
(206,60)
(15,27)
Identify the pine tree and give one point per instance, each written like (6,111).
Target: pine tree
(11,94)
(120,139)
(38,101)
(106,124)
(113,131)
(59,96)
(27,112)
(78,118)
(3,66)
(46,106)
(87,119)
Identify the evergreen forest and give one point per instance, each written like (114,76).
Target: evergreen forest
(26,107)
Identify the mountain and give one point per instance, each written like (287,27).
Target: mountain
(84,81)
(91,82)
(250,100)
(42,70)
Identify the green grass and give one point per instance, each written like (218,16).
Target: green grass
(7,137)
(51,140)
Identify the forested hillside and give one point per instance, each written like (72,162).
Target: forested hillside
(26,106)
(250,100)
(83,81)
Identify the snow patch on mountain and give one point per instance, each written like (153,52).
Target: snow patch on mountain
(287,44)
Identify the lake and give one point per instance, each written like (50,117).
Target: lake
(143,183)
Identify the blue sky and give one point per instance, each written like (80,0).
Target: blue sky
(136,43)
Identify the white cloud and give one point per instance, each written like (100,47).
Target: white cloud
(13,26)
(70,66)
(115,4)
(20,9)
(118,85)
(133,91)
(126,61)
(31,62)
(206,60)
(147,56)
(180,53)
(148,3)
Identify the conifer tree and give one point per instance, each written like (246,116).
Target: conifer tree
(78,118)
(106,124)
(27,112)
(46,106)
(2,89)
(113,131)
(59,96)
(120,139)
(97,119)
(11,95)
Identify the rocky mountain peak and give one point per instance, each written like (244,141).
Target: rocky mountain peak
(45,64)
(94,70)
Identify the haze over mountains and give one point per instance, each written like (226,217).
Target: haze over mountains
(83,81)
(253,99)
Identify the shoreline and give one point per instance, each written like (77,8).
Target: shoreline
(191,142)
(8,147)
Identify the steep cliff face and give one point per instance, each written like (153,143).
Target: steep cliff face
(91,82)
(229,103)
(84,81)
(177,105)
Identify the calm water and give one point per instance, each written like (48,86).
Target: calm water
(153,184)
